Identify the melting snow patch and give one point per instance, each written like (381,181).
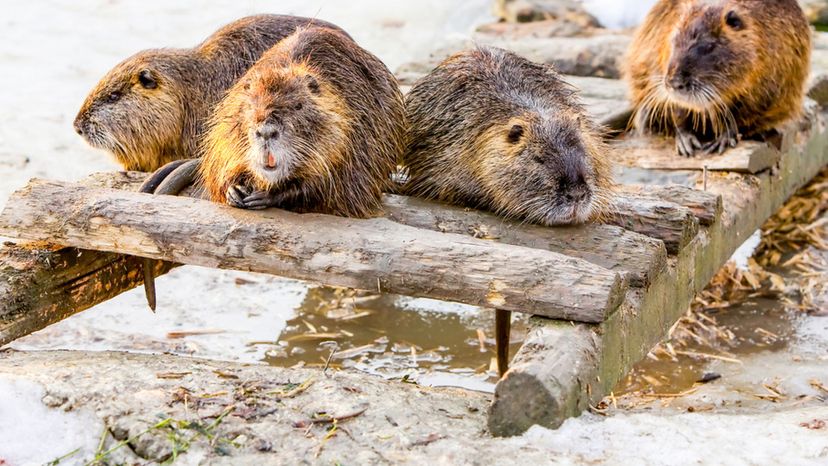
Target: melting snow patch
(32,433)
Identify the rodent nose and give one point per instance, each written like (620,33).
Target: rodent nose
(78,126)
(574,188)
(678,83)
(267,132)
(680,80)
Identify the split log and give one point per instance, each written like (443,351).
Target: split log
(637,256)
(550,372)
(42,287)
(706,206)
(375,254)
(659,153)
(674,224)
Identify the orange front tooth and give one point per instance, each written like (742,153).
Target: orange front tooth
(271,160)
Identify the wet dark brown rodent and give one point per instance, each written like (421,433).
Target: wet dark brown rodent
(713,71)
(151,108)
(317,125)
(490,129)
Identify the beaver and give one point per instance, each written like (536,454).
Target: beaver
(492,130)
(711,72)
(316,125)
(151,108)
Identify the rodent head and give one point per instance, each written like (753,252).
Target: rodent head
(293,123)
(713,50)
(546,168)
(137,109)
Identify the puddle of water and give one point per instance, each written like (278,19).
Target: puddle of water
(393,337)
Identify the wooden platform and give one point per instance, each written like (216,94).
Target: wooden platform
(605,293)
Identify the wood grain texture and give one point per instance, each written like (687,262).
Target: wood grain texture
(41,287)
(673,224)
(705,205)
(637,256)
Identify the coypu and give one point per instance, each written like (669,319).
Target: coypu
(492,130)
(710,72)
(151,108)
(316,125)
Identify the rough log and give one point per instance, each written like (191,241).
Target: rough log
(375,254)
(659,153)
(674,224)
(634,255)
(539,382)
(41,287)
(706,206)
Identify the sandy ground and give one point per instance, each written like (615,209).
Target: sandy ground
(54,52)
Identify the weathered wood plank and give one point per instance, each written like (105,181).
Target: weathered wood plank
(637,256)
(367,254)
(41,287)
(706,206)
(673,224)
(659,153)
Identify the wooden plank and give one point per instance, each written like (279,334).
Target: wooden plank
(41,287)
(375,254)
(706,206)
(614,248)
(659,153)
(673,224)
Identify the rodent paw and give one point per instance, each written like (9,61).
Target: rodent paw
(236,196)
(259,200)
(724,142)
(687,144)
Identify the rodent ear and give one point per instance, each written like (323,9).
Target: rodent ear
(147,80)
(313,85)
(515,133)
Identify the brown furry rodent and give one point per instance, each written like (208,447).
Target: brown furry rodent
(492,130)
(151,108)
(713,71)
(317,124)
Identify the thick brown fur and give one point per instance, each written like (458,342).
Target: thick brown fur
(492,130)
(152,108)
(340,119)
(711,71)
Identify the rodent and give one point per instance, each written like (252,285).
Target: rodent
(492,130)
(151,108)
(710,72)
(317,124)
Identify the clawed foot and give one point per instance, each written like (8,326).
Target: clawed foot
(687,144)
(721,144)
(243,197)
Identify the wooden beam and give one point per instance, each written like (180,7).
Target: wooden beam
(41,287)
(705,206)
(637,256)
(674,224)
(659,153)
(375,254)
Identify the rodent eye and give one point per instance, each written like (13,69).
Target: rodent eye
(313,85)
(147,80)
(298,107)
(114,97)
(734,21)
(515,133)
